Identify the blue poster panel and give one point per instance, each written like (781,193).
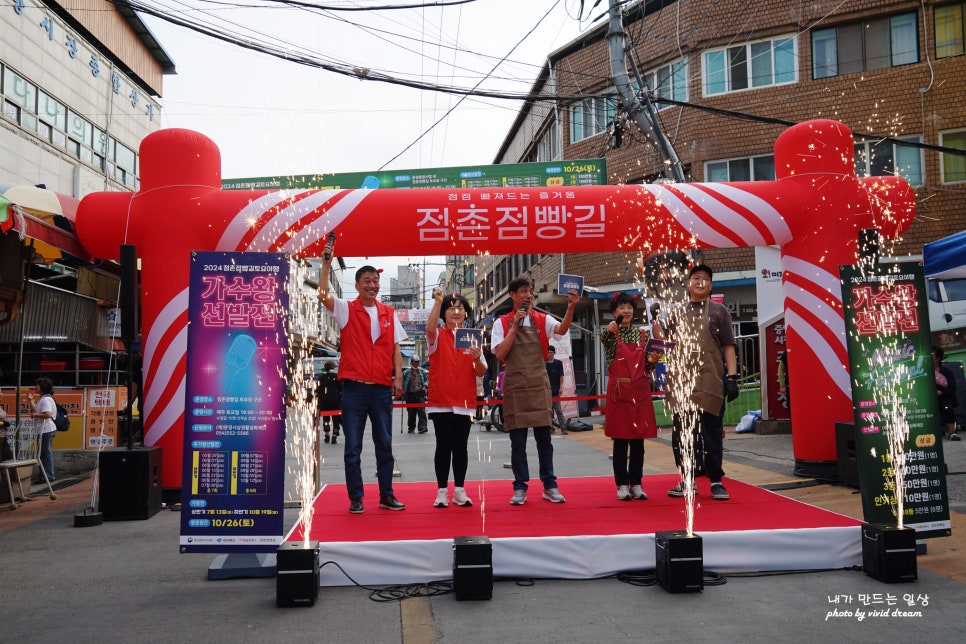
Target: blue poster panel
(234,437)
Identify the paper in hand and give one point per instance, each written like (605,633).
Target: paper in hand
(567,283)
(468,338)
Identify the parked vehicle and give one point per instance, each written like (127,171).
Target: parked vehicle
(944,263)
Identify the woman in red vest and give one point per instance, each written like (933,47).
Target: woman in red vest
(452,393)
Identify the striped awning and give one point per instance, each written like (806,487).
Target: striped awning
(43,215)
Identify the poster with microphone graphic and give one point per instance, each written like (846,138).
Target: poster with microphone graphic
(233,471)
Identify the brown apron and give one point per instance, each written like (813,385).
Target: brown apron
(526,388)
(702,357)
(629,411)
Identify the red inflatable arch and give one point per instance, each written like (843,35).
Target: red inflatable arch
(813,210)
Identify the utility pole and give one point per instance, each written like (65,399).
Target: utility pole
(644,115)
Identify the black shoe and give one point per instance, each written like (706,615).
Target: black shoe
(335,439)
(355,506)
(954,437)
(390,503)
(411,431)
(423,431)
(326,438)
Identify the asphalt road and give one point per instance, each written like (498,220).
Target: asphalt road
(125,580)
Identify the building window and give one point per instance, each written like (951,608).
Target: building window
(669,81)
(20,104)
(890,41)
(45,116)
(953,166)
(591,116)
(883,158)
(948,30)
(750,66)
(747,169)
(545,148)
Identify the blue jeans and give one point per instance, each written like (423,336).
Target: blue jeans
(47,453)
(559,415)
(518,457)
(373,402)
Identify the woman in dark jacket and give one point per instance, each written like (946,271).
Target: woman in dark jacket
(328,397)
(946,390)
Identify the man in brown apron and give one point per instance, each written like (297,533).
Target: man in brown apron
(704,333)
(520,340)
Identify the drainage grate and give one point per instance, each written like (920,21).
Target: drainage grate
(59,484)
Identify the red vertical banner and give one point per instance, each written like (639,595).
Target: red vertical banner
(778,400)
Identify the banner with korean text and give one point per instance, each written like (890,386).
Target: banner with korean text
(893,382)
(234,437)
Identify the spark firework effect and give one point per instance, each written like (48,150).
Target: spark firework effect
(300,421)
(893,367)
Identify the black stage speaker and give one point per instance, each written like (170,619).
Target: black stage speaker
(889,552)
(130,483)
(846,459)
(679,561)
(297,574)
(129,292)
(472,568)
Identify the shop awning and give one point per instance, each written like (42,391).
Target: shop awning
(945,258)
(42,215)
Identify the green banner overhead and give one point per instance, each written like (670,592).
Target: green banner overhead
(557,174)
(897,422)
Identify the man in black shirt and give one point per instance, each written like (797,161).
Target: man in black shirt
(555,372)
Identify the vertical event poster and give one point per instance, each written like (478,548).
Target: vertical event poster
(887,324)
(234,436)
(778,403)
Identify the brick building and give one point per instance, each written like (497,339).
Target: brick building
(727,77)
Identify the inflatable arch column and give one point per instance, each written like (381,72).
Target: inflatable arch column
(813,210)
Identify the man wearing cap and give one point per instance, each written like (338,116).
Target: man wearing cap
(371,373)
(702,359)
(415,384)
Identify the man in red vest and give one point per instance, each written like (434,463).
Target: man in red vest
(371,373)
(520,340)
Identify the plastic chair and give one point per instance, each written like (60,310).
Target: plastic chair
(26,452)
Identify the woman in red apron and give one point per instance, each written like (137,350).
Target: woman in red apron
(629,411)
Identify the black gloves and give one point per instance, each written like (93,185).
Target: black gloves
(731,389)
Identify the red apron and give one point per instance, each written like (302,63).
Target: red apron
(629,411)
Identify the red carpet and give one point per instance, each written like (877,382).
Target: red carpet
(593,533)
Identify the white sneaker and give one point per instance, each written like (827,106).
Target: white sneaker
(460,498)
(637,492)
(553,495)
(441,501)
(623,494)
(519,497)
